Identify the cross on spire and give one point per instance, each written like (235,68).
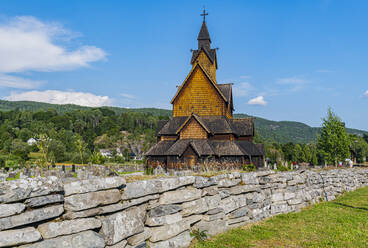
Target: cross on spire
(204,14)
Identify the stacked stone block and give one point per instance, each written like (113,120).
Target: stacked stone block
(108,212)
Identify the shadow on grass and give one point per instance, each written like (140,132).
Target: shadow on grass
(348,206)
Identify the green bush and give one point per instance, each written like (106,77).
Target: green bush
(149,171)
(249,167)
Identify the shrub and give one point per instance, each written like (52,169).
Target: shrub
(249,167)
(201,236)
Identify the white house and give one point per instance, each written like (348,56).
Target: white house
(31,141)
(106,153)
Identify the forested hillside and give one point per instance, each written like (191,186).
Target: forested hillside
(277,131)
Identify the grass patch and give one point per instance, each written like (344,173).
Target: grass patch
(127,172)
(17,176)
(340,223)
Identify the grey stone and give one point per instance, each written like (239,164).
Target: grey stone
(91,200)
(233,202)
(163,220)
(31,217)
(213,190)
(289,195)
(215,211)
(193,219)
(180,241)
(121,225)
(11,209)
(212,227)
(279,208)
(87,239)
(15,237)
(53,229)
(225,183)
(249,178)
(241,189)
(243,220)
(194,207)
(277,197)
(127,204)
(82,214)
(44,200)
(224,193)
(137,201)
(92,185)
(180,196)
(295,201)
(148,187)
(257,197)
(18,190)
(264,173)
(164,210)
(213,201)
(141,245)
(112,208)
(169,231)
(212,217)
(140,237)
(202,182)
(121,244)
(239,213)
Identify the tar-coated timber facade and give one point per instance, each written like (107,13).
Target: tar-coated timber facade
(202,131)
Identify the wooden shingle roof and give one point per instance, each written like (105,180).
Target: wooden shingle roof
(206,148)
(213,124)
(214,84)
(211,54)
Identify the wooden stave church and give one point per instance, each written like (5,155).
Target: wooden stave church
(202,131)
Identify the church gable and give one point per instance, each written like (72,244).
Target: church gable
(193,130)
(210,67)
(198,95)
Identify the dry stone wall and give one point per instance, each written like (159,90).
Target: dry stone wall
(108,212)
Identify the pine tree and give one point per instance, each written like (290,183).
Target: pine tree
(333,140)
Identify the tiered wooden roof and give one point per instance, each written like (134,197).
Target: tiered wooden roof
(202,114)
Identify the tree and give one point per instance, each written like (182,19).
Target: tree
(333,140)
(359,147)
(43,145)
(299,154)
(81,146)
(365,137)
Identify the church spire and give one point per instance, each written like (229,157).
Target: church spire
(204,39)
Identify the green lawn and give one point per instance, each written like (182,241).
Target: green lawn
(340,223)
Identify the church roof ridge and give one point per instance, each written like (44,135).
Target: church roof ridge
(208,77)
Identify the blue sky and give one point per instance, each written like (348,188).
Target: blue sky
(288,60)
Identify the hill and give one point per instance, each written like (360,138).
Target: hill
(278,131)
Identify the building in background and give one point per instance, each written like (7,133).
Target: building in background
(202,131)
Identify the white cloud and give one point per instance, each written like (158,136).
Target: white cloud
(366,93)
(295,83)
(27,44)
(7,81)
(61,97)
(127,96)
(291,80)
(242,89)
(259,100)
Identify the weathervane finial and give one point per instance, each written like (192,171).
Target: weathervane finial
(204,14)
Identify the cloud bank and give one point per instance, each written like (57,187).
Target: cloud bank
(242,89)
(61,97)
(259,100)
(366,93)
(7,81)
(27,44)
